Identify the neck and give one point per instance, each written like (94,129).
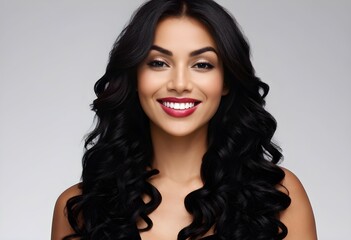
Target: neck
(179,158)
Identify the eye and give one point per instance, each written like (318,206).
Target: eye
(157,64)
(203,65)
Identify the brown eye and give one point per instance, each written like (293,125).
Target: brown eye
(203,65)
(157,64)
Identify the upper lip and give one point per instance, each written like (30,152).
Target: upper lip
(178,100)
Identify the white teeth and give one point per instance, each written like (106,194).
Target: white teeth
(179,106)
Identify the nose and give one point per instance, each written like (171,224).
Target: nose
(180,80)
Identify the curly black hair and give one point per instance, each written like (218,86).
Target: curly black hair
(239,197)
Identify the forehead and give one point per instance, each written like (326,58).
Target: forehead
(182,32)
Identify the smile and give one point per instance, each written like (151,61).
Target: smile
(179,107)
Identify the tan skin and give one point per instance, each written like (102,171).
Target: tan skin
(180,143)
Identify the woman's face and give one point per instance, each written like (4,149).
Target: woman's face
(180,83)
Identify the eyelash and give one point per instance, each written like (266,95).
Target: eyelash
(157,64)
(204,65)
(160,64)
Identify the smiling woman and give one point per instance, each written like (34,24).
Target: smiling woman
(182,149)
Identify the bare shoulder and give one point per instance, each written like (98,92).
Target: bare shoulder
(298,217)
(60,224)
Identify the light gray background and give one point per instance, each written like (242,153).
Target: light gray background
(52,52)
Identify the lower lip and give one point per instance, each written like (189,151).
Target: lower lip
(178,113)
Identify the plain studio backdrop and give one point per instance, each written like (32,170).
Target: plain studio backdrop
(52,52)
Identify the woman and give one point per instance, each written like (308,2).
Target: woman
(182,148)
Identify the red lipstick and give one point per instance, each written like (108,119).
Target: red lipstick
(178,107)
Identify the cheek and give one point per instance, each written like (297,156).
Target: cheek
(144,94)
(148,82)
(144,85)
(212,85)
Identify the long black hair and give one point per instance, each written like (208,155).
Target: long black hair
(239,171)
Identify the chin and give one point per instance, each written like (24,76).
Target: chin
(181,130)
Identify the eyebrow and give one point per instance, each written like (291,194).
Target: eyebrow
(192,54)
